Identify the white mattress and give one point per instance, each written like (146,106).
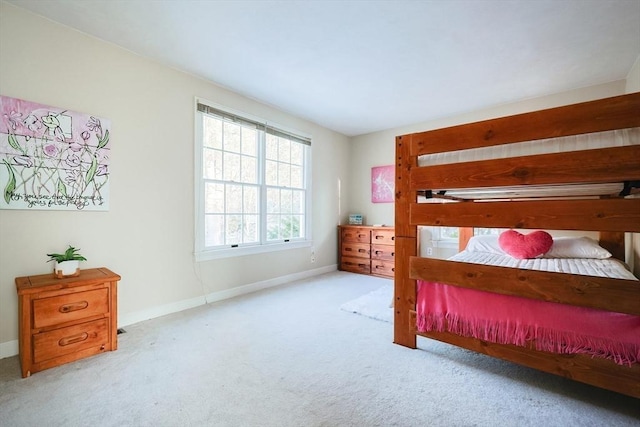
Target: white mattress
(590,141)
(610,267)
(615,138)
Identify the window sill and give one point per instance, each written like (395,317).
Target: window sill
(250,250)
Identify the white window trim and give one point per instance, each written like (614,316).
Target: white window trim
(203,254)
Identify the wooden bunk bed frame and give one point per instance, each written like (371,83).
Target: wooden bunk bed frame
(611,216)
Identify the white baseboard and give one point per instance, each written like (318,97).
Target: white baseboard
(258,286)
(162,310)
(10,348)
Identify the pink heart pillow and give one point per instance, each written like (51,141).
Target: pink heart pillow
(522,246)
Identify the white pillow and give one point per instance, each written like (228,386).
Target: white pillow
(485,243)
(576,247)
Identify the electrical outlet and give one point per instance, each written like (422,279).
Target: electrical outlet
(429,251)
(313,257)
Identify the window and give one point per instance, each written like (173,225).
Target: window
(252,185)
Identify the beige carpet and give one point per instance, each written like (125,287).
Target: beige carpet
(290,356)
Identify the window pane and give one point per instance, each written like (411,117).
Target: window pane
(297,204)
(231,137)
(212,132)
(233,230)
(233,198)
(285,226)
(285,201)
(487,231)
(249,170)
(213,230)
(271,173)
(296,230)
(448,232)
(212,164)
(273,227)
(297,154)
(284,150)
(296,177)
(249,141)
(232,167)
(213,198)
(271,151)
(284,175)
(250,229)
(273,200)
(250,200)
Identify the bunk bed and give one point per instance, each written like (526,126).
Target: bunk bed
(534,191)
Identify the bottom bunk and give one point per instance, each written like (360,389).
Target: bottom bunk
(586,344)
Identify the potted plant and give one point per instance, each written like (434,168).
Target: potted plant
(67,263)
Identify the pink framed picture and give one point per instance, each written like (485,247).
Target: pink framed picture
(382,184)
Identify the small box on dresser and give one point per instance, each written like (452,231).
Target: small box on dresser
(63,320)
(366,249)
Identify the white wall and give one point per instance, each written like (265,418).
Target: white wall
(147,236)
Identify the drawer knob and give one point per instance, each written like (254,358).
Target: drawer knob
(74,306)
(73,339)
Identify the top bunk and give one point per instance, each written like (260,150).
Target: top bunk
(575,167)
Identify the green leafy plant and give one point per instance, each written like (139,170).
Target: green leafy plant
(69,255)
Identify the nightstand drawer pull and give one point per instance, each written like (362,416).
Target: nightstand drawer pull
(74,306)
(73,339)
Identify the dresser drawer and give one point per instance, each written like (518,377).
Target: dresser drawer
(358,250)
(63,341)
(65,308)
(356,234)
(383,237)
(356,265)
(382,268)
(383,252)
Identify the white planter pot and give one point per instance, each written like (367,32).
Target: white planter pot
(67,269)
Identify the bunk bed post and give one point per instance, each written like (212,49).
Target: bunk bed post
(406,247)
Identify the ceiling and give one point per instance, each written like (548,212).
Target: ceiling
(362,66)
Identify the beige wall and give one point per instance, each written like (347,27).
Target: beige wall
(147,236)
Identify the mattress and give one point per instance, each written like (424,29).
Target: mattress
(615,138)
(589,141)
(608,267)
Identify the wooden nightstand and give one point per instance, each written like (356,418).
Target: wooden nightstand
(62,320)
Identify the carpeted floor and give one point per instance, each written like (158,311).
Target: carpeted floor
(289,356)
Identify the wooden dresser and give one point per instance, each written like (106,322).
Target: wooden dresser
(62,320)
(366,249)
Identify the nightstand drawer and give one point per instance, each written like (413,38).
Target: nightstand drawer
(382,268)
(60,342)
(358,250)
(65,308)
(383,237)
(383,252)
(356,265)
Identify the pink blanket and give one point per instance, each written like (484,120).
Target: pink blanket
(504,319)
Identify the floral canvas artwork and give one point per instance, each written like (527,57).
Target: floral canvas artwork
(382,184)
(52,158)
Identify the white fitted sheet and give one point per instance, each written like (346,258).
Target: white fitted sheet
(610,267)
